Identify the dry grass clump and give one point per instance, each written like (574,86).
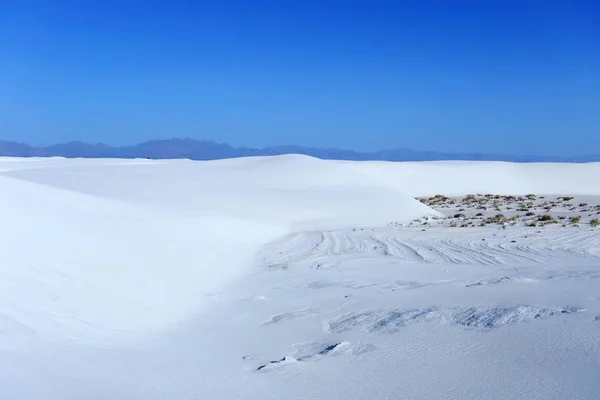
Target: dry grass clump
(497,219)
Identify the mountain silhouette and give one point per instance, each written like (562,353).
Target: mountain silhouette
(207,150)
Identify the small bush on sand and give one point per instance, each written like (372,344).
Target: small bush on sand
(497,219)
(595,222)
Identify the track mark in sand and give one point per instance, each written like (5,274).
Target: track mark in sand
(409,285)
(308,351)
(491,281)
(502,316)
(398,284)
(545,276)
(330,248)
(388,321)
(277,363)
(343,284)
(584,275)
(279,318)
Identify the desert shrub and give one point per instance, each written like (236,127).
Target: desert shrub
(546,217)
(479,215)
(575,219)
(497,219)
(530,214)
(595,222)
(459,215)
(566,198)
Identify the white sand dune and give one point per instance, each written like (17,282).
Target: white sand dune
(278,277)
(456,178)
(125,246)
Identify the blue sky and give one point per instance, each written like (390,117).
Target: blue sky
(491,76)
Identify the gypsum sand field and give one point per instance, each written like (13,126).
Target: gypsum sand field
(122,283)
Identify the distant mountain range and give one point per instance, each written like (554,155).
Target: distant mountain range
(207,150)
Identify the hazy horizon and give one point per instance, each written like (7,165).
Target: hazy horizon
(171,148)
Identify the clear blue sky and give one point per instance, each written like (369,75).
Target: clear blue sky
(493,76)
